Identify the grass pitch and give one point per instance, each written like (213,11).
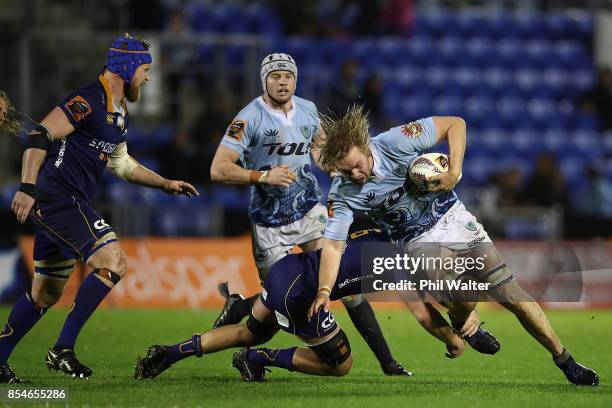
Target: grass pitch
(521,374)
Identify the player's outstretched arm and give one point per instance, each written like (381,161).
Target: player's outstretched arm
(122,165)
(54,126)
(331,253)
(225,170)
(454,130)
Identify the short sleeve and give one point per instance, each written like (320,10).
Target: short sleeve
(239,133)
(78,107)
(414,136)
(340,218)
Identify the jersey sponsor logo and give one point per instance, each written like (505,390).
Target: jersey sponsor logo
(288,149)
(78,108)
(105,147)
(100,225)
(328,321)
(236,129)
(412,129)
(103,157)
(60,155)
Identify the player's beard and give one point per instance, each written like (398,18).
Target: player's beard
(132,93)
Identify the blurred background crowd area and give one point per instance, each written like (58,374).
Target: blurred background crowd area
(528,76)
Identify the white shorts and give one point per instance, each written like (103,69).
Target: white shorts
(458,230)
(272,243)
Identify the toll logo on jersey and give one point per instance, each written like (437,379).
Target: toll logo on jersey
(412,129)
(78,108)
(288,149)
(328,321)
(236,129)
(100,225)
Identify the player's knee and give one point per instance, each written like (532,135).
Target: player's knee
(344,368)
(45,299)
(335,353)
(258,332)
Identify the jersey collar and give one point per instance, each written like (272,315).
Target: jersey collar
(109,96)
(376,172)
(286,119)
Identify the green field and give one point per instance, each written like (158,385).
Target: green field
(521,374)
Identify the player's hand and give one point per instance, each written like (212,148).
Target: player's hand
(321,301)
(280,176)
(445,181)
(175,187)
(22,205)
(471,325)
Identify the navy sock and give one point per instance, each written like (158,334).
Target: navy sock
(282,358)
(22,318)
(364,319)
(187,348)
(90,295)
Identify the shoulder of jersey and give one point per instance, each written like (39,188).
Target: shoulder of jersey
(305,104)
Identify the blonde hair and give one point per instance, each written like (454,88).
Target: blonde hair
(342,134)
(12,123)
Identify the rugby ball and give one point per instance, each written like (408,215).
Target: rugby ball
(427,165)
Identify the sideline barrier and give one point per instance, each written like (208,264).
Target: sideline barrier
(179,273)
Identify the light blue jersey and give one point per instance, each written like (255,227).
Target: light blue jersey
(266,138)
(389,197)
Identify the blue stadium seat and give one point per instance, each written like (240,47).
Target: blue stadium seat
(528,24)
(434,24)
(496,81)
(539,54)
(421,49)
(479,52)
(509,54)
(451,50)
(572,55)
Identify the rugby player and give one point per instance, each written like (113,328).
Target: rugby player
(372,179)
(9,121)
(288,289)
(274,136)
(63,160)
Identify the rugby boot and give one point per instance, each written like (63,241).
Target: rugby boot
(229,314)
(8,376)
(482,341)
(577,373)
(396,368)
(250,372)
(65,360)
(155,363)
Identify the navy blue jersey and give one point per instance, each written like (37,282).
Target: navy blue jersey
(73,165)
(350,274)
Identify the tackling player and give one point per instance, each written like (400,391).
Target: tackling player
(274,136)
(288,289)
(373,179)
(63,160)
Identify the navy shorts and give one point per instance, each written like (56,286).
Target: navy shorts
(66,229)
(287,292)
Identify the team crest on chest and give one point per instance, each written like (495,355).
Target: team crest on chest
(412,129)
